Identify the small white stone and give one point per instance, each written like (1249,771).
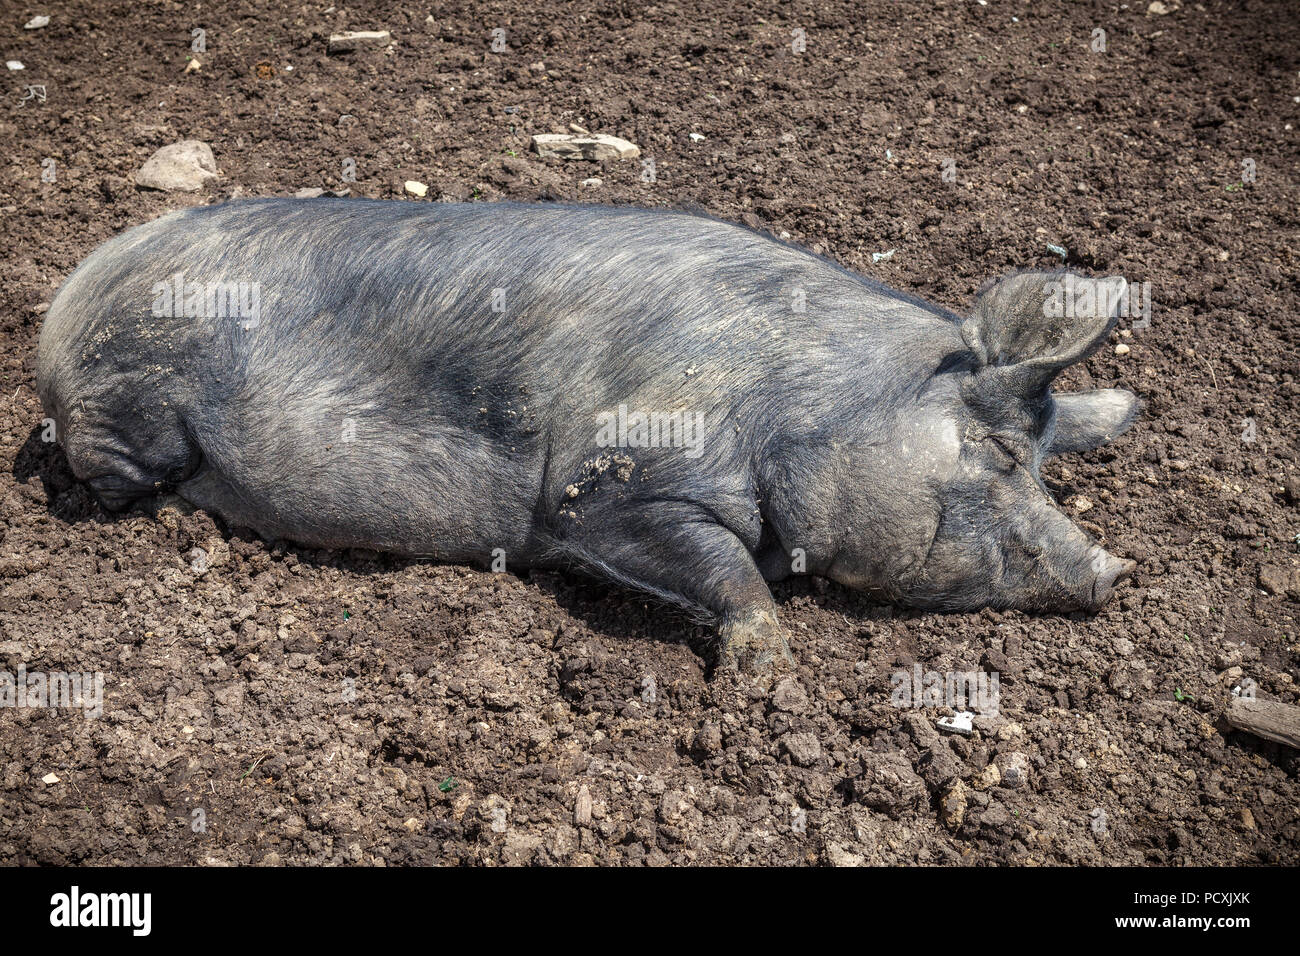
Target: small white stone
(50,778)
(15,64)
(416,189)
(960,723)
(1122,349)
(35,23)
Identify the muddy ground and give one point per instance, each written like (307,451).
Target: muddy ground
(351,708)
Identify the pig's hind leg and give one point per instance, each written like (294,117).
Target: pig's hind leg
(678,552)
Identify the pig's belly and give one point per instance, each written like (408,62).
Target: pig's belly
(394,487)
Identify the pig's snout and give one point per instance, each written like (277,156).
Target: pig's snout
(1111,572)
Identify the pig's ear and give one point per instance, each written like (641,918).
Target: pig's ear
(1087,419)
(1030,326)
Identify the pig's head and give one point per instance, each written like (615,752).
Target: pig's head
(992,535)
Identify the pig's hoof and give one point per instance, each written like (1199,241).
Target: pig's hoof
(753,644)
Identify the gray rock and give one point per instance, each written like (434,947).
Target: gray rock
(183,166)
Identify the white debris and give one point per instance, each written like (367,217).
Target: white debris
(15,64)
(593,183)
(416,189)
(960,723)
(50,778)
(35,23)
(343,42)
(697,137)
(883,256)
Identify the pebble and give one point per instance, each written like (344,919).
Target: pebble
(419,190)
(35,23)
(1122,349)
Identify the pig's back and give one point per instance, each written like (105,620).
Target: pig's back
(406,346)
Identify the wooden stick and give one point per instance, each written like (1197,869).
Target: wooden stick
(1270,719)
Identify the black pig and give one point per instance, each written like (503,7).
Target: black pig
(682,405)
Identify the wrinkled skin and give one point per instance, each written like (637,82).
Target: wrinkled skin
(384,401)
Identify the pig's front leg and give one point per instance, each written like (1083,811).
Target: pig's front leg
(680,553)
(752,642)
